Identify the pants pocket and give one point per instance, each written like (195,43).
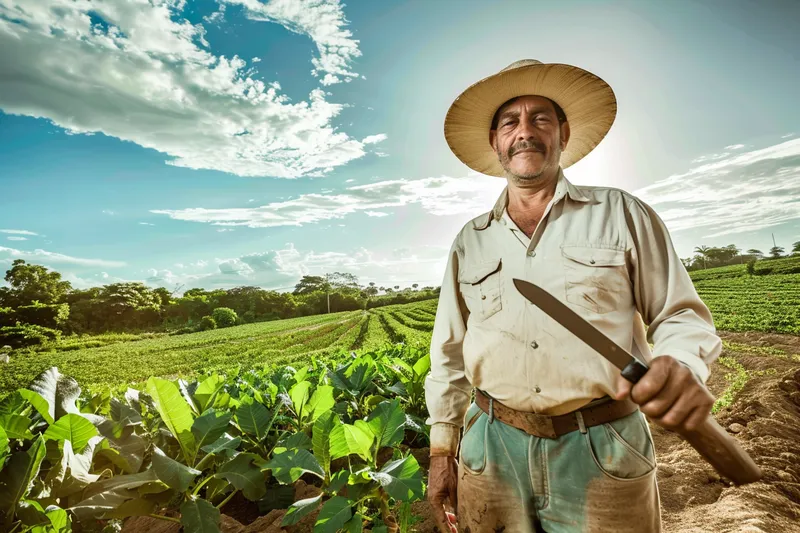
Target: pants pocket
(473,442)
(622,449)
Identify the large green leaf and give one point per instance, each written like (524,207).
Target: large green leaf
(123,414)
(387,422)
(207,390)
(16,426)
(244,475)
(96,505)
(287,467)
(349,439)
(13,404)
(187,391)
(121,483)
(334,515)
(321,439)
(38,403)
(58,390)
(125,450)
(4,448)
(133,507)
(31,513)
(176,475)
(422,366)
(355,524)
(210,426)
(73,428)
(299,509)
(321,402)
(71,474)
(224,444)
(16,477)
(401,479)
(58,521)
(253,418)
(295,441)
(175,413)
(300,394)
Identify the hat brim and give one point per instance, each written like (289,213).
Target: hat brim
(588,102)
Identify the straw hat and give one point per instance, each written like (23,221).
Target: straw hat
(587,100)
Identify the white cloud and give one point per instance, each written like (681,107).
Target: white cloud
(787,136)
(42,256)
(323,21)
(146,75)
(146,224)
(18,232)
(744,192)
(376,214)
(374,139)
(438,196)
(734,147)
(217,18)
(350,180)
(256,60)
(17,238)
(108,212)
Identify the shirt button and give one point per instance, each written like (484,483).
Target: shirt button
(534,345)
(591,261)
(537,389)
(483,297)
(531,253)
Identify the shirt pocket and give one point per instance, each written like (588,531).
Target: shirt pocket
(595,278)
(481,287)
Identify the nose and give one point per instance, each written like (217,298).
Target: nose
(525,130)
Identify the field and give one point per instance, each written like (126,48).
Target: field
(213,431)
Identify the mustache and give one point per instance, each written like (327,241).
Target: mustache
(527,145)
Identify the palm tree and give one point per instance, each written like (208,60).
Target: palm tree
(758,253)
(796,247)
(703,251)
(776,251)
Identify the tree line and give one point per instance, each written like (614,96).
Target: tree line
(39,306)
(717,256)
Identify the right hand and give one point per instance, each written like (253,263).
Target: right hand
(443,491)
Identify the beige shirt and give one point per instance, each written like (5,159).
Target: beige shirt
(601,250)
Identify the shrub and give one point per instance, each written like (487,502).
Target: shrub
(8,317)
(53,316)
(751,267)
(23,335)
(206,323)
(224,317)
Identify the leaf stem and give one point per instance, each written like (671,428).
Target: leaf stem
(200,485)
(162,517)
(227,499)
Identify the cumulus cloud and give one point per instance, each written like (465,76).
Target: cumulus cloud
(136,70)
(44,257)
(748,191)
(18,232)
(373,139)
(438,196)
(323,21)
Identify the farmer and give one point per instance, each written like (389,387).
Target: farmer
(586,460)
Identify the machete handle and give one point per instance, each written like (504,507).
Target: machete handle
(723,452)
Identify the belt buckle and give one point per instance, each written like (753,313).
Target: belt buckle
(542,425)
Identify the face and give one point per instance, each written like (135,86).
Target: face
(528,140)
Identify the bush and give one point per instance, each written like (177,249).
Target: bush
(206,323)
(8,317)
(52,316)
(23,335)
(224,317)
(751,267)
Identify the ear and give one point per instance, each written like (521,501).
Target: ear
(564,135)
(493,140)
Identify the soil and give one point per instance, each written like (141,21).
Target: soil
(764,418)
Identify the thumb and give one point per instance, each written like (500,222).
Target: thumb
(623,388)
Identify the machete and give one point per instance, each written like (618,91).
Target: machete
(710,440)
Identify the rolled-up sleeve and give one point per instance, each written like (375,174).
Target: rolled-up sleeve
(447,390)
(679,322)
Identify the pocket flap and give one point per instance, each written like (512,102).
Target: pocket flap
(594,256)
(476,272)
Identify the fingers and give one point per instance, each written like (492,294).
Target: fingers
(440,517)
(623,388)
(651,383)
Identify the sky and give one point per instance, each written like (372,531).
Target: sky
(221,143)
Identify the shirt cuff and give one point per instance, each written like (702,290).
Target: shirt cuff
(694,363)
(444,439)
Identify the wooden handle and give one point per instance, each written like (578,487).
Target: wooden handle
(723,452)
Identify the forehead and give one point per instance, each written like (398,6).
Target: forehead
(529,102)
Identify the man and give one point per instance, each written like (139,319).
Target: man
(556,439)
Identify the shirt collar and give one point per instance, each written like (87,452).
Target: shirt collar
(564,187)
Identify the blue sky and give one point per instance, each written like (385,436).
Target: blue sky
(248,142)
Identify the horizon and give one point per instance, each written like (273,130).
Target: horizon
(226,143)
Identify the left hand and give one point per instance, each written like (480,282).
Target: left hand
(669,394)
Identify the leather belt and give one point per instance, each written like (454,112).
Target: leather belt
(551,427)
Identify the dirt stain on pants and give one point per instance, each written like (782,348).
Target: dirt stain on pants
(599,481)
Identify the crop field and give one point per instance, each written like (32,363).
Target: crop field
(318,423)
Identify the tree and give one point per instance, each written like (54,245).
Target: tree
(703,252)
(776,251)
(415,285)
(796,247)
(758,253)
(224,317)
(29,283)
(310,284)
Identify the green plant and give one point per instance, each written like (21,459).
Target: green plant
(224,317)
(206,323)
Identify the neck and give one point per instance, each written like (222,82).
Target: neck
(531,196)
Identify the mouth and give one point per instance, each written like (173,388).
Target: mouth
(528,151)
